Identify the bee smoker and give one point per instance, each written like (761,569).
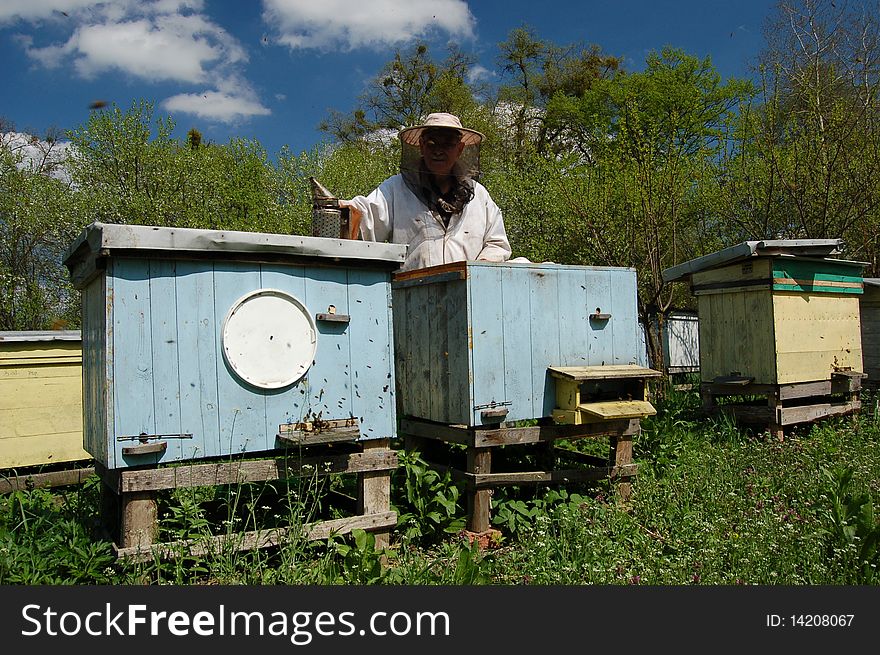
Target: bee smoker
(328,218)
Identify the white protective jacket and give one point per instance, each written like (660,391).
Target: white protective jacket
(393,213)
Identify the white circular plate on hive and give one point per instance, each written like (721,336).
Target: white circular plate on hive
(269,339)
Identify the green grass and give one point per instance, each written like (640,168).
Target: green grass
(712,505)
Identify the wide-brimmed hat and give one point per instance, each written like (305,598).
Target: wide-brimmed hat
(469,137)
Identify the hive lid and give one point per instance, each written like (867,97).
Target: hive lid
(768,247)
(609,371)
(41,335)
(100,240)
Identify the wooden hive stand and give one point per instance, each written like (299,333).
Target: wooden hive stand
(576,417)
(782,405)
(130,495)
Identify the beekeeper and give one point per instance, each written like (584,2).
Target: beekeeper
(435,205)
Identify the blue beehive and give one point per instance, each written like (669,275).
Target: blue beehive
(204,343)
(475,342)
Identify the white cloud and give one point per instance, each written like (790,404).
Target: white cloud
(156,41)
(30,10)
(221,106)
(165,47)
(480,73)
(348,24)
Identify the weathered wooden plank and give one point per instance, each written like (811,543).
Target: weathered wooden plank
(139,526)
(546,331)
(509,436)
(450,433)
(12,481)
(210,474)
(606,372)
(374,487)
(517,327)
(479,501)
(258,539)
(289,435)
(164,351)
(423,304)
(440,380)
(488,338)
(792,415)
(489,480)
(132,369)
(574,309)
(538,433)
(242,409)
(199,360)
(286,407)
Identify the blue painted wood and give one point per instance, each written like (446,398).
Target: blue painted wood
(371,357)
(165,353)
(325,287)
(153,344)
(517,324)
(242,408)
(95,373)
(132,373)
(546,334)
(598,296)
(519,319)
(284,405)
(487,328)
(626,347)
(198,353)
(574,343)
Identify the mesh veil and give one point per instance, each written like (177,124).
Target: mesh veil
(418,180)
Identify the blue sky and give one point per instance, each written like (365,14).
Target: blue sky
(271,70)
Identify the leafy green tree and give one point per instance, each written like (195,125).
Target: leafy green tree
(128,170)
(35,230)
(408,87)
(537,71)
(810,159)
(635,184)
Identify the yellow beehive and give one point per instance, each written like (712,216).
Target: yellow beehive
(594,394)
(40,398)
(776,312)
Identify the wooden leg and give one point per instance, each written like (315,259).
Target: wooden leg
(479,460)
(774,427)
(110,515)
(140,520)
(621,455)
(374,491)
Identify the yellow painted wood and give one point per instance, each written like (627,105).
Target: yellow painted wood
(752,269)
(610,371)
(23,352)
(568,394)
(41,412)
(568,417)
(736,335)
(60,447)
(608,410)
(815,334)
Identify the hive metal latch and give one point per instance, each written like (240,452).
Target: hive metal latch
(149,444)
(494,411)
